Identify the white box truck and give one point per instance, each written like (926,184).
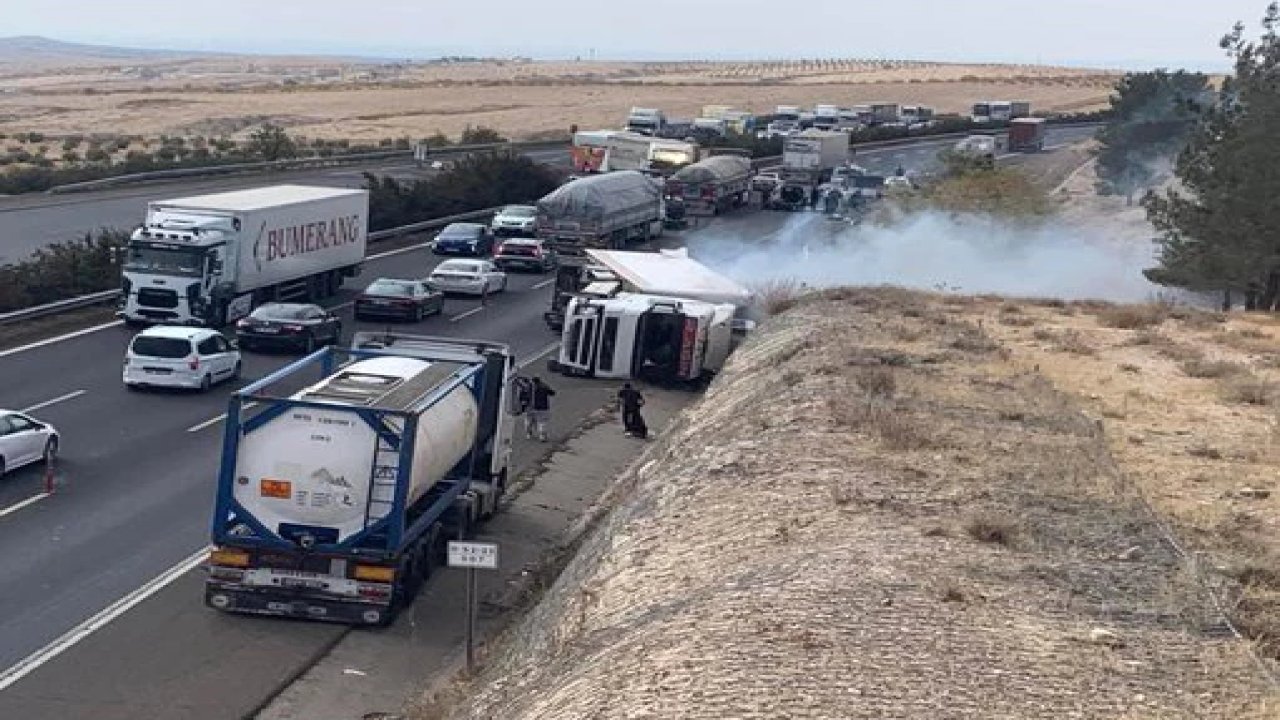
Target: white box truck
(208,260)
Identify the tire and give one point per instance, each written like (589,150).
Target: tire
(235,371)
(51,451)
(503,286)
(206,382)
(132,387)
(309,345)
(337,335)
(417,313)
(1,467)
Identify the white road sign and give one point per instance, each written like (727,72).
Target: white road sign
(473,555)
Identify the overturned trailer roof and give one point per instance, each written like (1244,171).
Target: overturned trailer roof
(599,196)
(672,273)
(718,168)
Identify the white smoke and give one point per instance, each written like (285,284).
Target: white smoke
(933,251)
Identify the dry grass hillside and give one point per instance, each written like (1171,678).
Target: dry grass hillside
(224,96)
(901,505)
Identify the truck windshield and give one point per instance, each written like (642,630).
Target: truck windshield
(145,258)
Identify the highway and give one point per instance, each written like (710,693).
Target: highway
(35,220)
(116,544)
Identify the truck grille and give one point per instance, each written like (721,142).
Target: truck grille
(153,297)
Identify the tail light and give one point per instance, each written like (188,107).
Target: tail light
(502,249)
(293,328)
(243,324)
(194,362)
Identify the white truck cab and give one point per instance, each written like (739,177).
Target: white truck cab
(649,337)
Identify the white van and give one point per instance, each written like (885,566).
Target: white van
(180,357)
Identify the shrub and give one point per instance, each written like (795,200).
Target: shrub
(993,529)
(1204,368)
(1133,317)
(62,270)
(1249,389)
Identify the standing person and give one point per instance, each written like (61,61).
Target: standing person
(632,422)
(540,410)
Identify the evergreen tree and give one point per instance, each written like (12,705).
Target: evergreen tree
(1221,229)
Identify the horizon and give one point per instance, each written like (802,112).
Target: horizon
(1068,33)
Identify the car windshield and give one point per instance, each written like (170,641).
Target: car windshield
(161,347)
(143,258)
(460,233)
(520,211)
(398,288)
(280,312)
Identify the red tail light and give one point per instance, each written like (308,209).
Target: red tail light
(293,328)
(194,362)
(502,249)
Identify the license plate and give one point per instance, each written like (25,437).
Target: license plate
(302,583)
(158,371)
(379,302)
(268,330)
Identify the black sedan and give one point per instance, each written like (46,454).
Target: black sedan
(402,299)
(296,326)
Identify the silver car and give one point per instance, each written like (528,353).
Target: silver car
(25,440)
(515,220)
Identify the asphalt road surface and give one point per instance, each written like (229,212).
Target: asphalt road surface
(116,543)
(32,221)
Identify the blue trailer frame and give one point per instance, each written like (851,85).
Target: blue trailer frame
(387,539)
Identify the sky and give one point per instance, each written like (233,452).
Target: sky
(1127,34)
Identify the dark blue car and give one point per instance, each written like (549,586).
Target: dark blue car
(464,239)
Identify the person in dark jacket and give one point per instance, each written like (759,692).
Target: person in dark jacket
(632,422)
(539,409)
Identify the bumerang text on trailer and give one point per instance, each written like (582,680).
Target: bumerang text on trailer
(345,474)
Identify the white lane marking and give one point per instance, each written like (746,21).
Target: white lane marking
(18,506)
(541,354)
(544,283)
(55,401)
(73,636)
(468,313)
(60,338)
(214,421)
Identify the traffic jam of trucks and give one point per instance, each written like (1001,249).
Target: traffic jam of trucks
(343,474)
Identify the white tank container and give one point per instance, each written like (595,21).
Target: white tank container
(316,467)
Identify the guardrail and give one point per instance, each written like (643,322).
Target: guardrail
(296,164)
(108,296)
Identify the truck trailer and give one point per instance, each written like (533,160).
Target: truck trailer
(808,159)
(1026,134)
(709,186)
(610,210)
(336,502)
(209,260)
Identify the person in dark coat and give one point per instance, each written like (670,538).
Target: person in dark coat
(632,422)
(539,409)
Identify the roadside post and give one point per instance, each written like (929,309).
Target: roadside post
(472,556)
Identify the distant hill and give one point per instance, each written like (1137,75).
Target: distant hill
(34,49)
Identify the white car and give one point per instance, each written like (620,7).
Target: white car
(25,440)
(898,181)
(469,277)
(515,220)
(180,357)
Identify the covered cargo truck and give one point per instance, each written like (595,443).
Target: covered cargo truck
(607,211)
(334,502)
(1026,134)
(208,260)
(709,186)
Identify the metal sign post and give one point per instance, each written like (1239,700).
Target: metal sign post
(472,556)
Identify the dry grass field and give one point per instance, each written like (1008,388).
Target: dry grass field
(225,97)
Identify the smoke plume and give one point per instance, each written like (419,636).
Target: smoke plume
(932,251)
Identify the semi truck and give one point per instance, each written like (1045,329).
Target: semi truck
(1026,134)
(808,159)
(609,210)
(646,121)
(335,502)
(209,260)
(709,186)
(665,318)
